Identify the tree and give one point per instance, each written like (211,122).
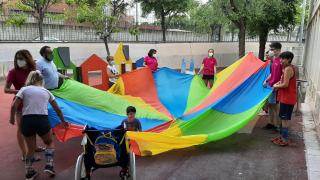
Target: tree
(207,19)
(237,12)
(104,15)
(165,10)
(37,8)
(270,15)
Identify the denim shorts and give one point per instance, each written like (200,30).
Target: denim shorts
(273,98)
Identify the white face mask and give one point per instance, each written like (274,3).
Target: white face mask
(21,63)
(112,63)
(154,55)
(271,54)
(210,54)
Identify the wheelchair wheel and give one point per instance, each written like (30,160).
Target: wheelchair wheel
(80,170)
(132,166)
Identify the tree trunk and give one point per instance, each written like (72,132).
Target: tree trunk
(232,34)
(298,33)
(105,40)
(288,35)
(242,40)
(212,33)
(219,33)
(40,25)
(263,37)
(163,26)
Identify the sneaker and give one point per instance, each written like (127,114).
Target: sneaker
(269,126)
(281,142)
(32,174)
(49,170)
(35,159)
(276,138)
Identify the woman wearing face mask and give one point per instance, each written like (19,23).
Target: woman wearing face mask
(151,60)
(112,71)
(208,68)
(23,65)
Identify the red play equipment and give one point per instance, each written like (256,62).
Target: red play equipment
(94,72)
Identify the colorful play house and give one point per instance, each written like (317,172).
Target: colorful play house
(122,58)
(61,58)
(94,72)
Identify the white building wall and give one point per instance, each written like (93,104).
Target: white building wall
(312,61)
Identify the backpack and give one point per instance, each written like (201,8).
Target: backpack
(107,150)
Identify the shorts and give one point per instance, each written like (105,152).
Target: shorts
(208,77)
(35,124)
(285,111)
(273,98)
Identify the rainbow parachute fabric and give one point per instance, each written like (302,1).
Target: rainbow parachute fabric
(176,110)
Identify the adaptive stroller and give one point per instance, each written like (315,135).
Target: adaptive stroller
(103,149)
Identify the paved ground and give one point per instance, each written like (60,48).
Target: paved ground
(241,156)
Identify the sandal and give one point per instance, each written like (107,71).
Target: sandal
(281,142)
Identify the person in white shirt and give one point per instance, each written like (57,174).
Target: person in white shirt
(35,99)
(112,71)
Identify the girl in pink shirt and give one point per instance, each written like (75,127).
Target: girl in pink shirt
(151,60)
(208,68)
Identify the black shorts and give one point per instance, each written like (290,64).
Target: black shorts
(35,124)
(208,77)
(285,111)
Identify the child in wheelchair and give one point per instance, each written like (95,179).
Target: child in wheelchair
(129,124)
(108,148)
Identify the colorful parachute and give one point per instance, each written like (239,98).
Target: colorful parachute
(176,110)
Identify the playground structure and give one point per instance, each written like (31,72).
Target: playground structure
(176,109)
(93,71)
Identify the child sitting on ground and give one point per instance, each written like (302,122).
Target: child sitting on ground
(287,96)
(129,124)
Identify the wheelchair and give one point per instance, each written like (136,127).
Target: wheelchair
(104,149)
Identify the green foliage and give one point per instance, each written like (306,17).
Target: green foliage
(272,15)
(134,31)
(16,20)
(207,16)
(36,5)
(94,12)
(55,17)
(166,8)
(21,6)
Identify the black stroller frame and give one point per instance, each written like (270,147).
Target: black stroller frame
(86,164)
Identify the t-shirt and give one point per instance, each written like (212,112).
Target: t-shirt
(49,72)
(18,77)
(35,100)
(135,125)
(114,71)
(276,71)
(208,65)
(151,62)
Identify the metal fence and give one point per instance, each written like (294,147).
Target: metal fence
(59,31)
